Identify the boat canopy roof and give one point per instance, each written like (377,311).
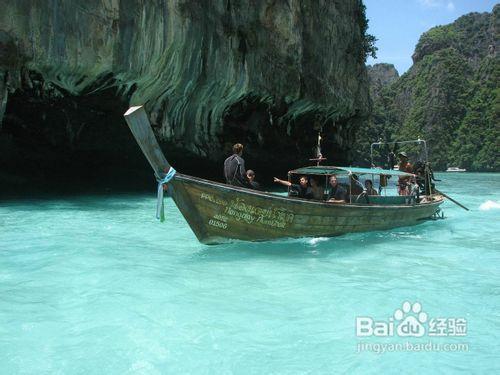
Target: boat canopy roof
(329,170)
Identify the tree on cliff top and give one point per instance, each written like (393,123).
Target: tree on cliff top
(369,40)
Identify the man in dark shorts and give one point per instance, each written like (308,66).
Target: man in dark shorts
(234,168)
(302,188)
(337,192)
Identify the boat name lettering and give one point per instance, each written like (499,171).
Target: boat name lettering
(239,215)
(273,217)
(211,198)
(239,210)
(271,223)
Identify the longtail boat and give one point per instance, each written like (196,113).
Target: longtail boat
(217,212)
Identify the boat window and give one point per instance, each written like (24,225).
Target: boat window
(318,184)
(365,188)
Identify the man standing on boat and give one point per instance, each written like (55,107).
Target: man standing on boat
(234,168)
(404,181)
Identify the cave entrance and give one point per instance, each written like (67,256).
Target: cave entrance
(52,141)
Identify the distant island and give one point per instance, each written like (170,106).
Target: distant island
(450,96)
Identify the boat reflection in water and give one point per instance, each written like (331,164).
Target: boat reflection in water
(218,212)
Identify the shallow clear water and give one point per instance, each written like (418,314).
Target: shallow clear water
(94,284)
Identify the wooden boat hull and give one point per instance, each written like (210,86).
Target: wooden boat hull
(219,213)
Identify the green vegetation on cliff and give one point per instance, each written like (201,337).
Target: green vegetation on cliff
(450,96)
(477,142)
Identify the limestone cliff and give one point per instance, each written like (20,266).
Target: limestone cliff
(267,73)
(449,96)
(381,75)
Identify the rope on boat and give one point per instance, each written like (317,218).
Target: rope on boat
(160,207)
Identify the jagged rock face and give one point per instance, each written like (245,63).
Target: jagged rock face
(383,74)
(265,73)
(435,97)
(380,76)
(472,35)
(449,96)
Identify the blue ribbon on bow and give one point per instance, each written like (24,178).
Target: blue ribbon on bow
(160,207)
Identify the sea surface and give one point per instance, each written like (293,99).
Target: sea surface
(96,285)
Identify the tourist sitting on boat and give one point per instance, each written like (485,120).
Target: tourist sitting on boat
(318,191)
(369,188)
(302,189)
(251,180)
(234,167)
(404,181)
(337,192)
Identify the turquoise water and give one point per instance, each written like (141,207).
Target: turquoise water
(94,284)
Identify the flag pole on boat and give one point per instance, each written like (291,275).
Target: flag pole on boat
(319,156)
